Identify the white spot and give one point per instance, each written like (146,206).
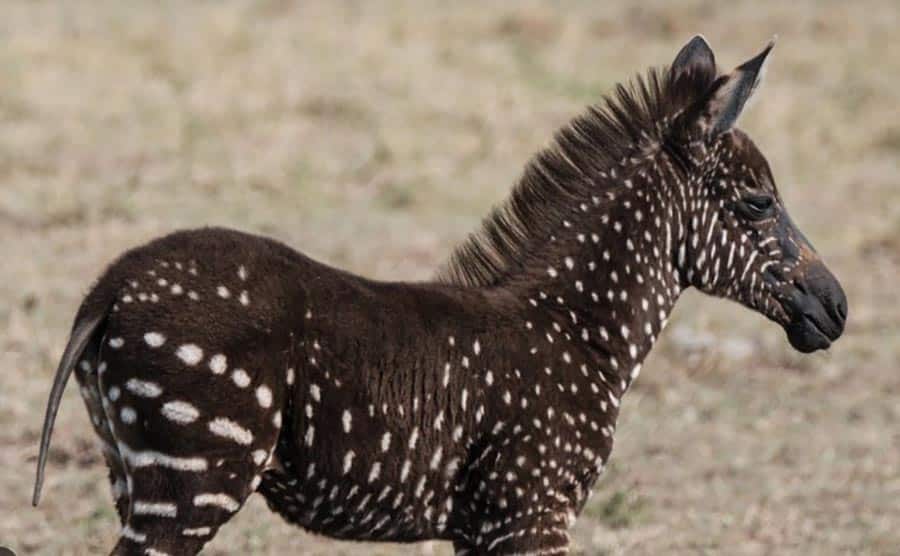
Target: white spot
(223,292)
(347,420)
(218,364)
(264,396)
(128,415)
(143,388)
(131,534)
(242,272)
(240,378)
(385,442)
(116,343)
(315,392)
(180,412)
(289,376)
(196,531)
(375,472)
(436,458)
(404,471)
(348,461)
(114,393)
(190,354)
(160,509)
(150,458)
(259,456)
(154,339)
(476,347)
(220,499)
(244,298)
(226,428)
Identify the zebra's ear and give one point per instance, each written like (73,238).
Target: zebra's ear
(734,90)
(696,55)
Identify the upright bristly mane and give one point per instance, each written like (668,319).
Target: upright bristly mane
(648,113)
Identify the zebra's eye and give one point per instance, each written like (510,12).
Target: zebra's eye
(757,207)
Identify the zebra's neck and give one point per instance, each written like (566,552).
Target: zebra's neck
(609,278)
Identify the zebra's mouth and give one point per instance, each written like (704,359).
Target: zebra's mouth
(806,336)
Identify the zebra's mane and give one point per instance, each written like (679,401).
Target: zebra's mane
(652,110)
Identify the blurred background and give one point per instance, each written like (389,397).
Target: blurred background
(374,137)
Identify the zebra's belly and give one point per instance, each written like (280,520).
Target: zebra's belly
(345,510)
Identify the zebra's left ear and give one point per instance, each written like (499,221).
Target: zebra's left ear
(733,91)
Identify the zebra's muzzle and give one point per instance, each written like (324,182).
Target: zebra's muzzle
(817,309)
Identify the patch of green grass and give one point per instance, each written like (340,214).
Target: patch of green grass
(621,510)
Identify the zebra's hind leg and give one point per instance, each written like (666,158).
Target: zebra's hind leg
(173,512)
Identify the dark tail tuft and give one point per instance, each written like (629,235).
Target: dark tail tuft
(82,333)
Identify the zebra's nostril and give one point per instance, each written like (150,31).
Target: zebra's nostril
(842,310)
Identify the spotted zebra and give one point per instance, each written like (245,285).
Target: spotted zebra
(479,407)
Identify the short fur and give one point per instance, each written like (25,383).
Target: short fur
(479,408)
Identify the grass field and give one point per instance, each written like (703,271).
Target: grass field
(374,137)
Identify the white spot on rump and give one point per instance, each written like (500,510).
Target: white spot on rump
(154,339)
(196,532)
(143,388)
(347,420)
(221,500)
(190,354)
(226,428)
(264,396)
(240,378)
(180,412)
(128,415)
(116,343)
(223,292)
(150,458)
(218,364)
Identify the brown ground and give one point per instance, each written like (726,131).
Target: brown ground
(374,138)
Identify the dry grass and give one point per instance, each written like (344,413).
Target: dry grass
(374,137)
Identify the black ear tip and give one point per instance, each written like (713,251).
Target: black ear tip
(697,44)
(699,40)
(757,61)
(696,52)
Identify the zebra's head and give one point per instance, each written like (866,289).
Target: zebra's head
(741,243)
